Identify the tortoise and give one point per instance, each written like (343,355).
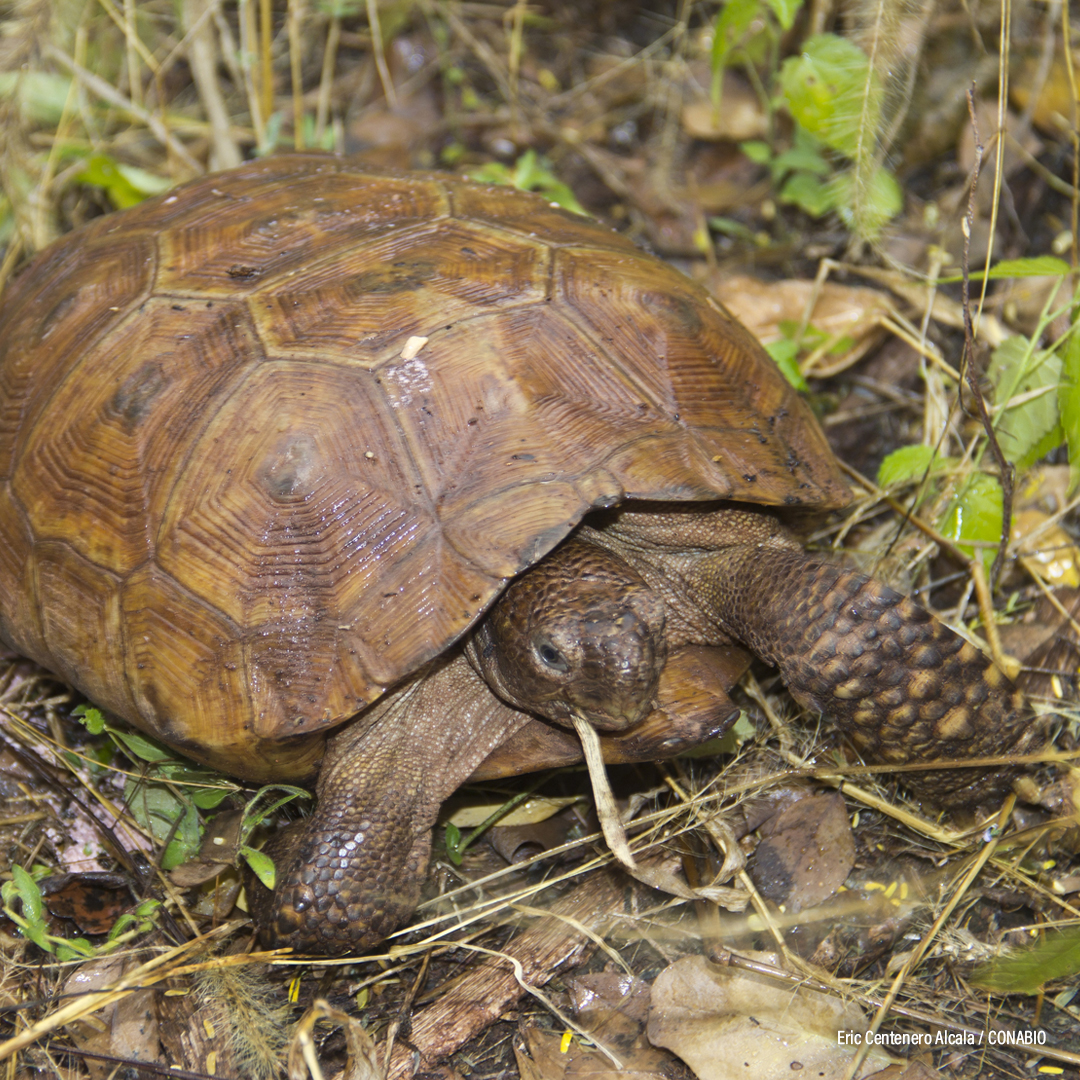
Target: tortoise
(309,468)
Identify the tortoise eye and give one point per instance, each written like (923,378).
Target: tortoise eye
(551,657)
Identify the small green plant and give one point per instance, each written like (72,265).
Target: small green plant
(165,799)
(530,172)
(834,97)
(1036,408)
(833,93)
(125,185)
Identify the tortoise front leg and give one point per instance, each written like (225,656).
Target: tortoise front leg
(351,873)
(902,685)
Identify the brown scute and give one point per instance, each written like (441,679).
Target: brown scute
(280,224)
(51,317)
(80,617)
(98,475)
(306,513)
(361,305)
(22,631)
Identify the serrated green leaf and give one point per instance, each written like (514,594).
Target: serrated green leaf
(1069,401)
(1056,956)
(262,865)
(785,352)
(832,92)
(905,465)
(1031,428)
(976,515)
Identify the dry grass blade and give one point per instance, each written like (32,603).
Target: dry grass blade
(615,833)
(202,55)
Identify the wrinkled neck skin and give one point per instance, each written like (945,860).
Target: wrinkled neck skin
(721,572)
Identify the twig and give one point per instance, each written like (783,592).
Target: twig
(379,50)
(201,55)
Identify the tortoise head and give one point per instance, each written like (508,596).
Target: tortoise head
(581,632)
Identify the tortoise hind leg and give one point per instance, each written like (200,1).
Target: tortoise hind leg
(351,873)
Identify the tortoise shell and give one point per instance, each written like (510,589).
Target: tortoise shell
(271,442)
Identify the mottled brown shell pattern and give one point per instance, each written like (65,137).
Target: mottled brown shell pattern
(237,502)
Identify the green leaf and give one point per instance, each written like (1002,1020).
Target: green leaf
(785,11)
(867,207)
(832,92)
(1056,956)
(157,808)
(730,227)
(453,843)
(29,894)
(1040,266)
(78,948)
(208,798)
(531,172)
(90,717)
(760,153)
(144,182)
(254,817)
(1032,428)
(808,193)
(262,866)
(125,185)
(785,352)
(732,22)
(976,515)
(142,747)
(1069,401)
(31,920)
(800,159)
(41,94)
(907,464)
